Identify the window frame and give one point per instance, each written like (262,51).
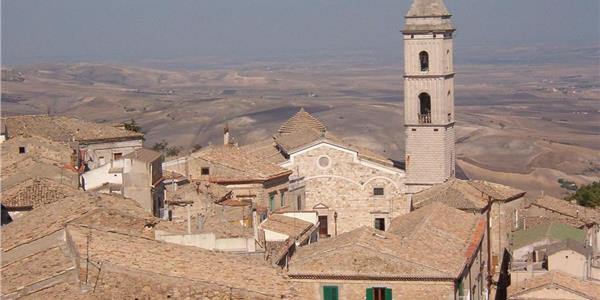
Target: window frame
(335,292)
(379,188)
(203,169)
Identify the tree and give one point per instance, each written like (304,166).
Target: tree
(588,195)
(160,146)
(196,147)
(132,126)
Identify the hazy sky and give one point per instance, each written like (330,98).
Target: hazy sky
(130,30)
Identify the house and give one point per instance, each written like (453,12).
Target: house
(250,179)
(425,254)
(546,209)
(549,247)
(137,175)
(95,246)
(143,180)
(349,186)
(498,203)
(92,144)
(554,285)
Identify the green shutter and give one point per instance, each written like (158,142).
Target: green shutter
(388,294)
(330,293)
(370,294)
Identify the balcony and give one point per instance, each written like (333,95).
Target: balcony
(425,118)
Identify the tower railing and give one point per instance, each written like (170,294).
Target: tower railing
(425,118)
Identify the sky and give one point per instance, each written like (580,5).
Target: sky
(136,30)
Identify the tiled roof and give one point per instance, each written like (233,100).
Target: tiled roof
(584,214)
(551,232)
(423,244)
(569,244)
(147,256)
(302,121)
(292,227)
(465,194)
(265,150)
(243,165)
(34,192)
(228,221)
(65,129)
(554,280)
(144,155)
(108,212)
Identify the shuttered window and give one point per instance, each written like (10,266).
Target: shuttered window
(379,293)
(330,293)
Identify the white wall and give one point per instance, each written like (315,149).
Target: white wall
(309,216)
(208,241)
(99,176)
(272,236)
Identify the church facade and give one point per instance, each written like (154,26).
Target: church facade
(347,185)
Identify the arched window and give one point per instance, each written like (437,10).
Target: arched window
(424,108)
(424,60)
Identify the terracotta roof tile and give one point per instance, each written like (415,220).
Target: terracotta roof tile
(35,192)
(422,244)
(244,166)
(65,129)
(570,210)
(554,280)
(301,121)
(292,227)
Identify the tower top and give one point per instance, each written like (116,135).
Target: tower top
(425,16)
(428,8)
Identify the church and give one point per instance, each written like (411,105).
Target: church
(350,186)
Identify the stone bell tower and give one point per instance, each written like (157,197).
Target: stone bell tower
(428,95)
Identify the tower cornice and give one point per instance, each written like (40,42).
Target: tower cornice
(443,76)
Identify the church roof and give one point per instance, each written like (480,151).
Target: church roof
(428,8)
(300,121)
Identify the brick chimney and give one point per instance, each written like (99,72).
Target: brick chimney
(226,140)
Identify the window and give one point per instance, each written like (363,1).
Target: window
(379,293)
(205,171)
(299,202)
(323,162)
(424,108)
(380,224)
(461,288)
(282,198)
(21,150)
(378,191)
(330,292)
(424,61)
(272,201)
(117,155)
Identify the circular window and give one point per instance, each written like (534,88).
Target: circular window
(323,161)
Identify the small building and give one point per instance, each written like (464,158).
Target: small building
(523,242)
(554,285)
(425,254)
(570,257)
(498,203)
(546,210)
(93,144)
(249,178)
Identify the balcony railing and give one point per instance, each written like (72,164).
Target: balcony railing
(425,118)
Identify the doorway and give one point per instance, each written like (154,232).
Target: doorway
(323,229)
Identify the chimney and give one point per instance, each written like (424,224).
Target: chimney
(226,135)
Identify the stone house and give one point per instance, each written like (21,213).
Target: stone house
(249,178)
(347,185)
(498,203)
(92,144)
(143,180)
(425,254)
(554,285)
(547,210)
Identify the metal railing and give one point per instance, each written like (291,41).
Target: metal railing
(425,118)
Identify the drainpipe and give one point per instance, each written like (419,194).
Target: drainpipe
(335,221)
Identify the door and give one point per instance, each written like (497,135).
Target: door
(323,230)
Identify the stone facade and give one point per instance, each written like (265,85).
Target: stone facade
(100,153)
(428,96)
(338,181)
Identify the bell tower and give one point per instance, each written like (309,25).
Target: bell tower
(428,95)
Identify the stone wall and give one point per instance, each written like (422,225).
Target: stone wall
(356,289)
(430,154)
(502,223)
(101,153)
(346,185)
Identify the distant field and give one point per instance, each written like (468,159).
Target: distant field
(517,124)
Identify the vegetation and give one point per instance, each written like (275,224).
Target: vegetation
(163,147)
(196,147)
(588,195)
(132,126)
(568,185)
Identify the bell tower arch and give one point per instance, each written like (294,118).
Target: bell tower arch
(428,95)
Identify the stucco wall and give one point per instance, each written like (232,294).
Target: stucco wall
(346,186)
(94,152)
(570,262)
